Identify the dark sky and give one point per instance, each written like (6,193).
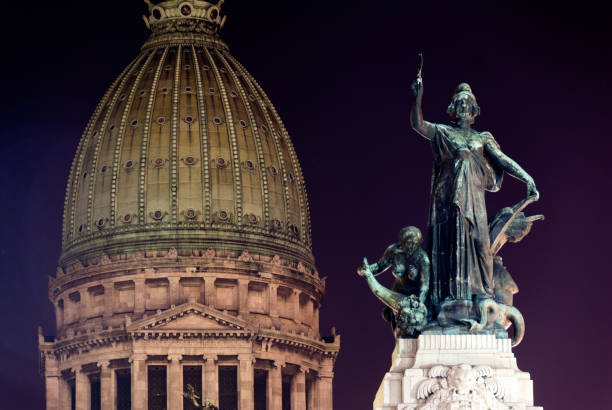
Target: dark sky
(339,72)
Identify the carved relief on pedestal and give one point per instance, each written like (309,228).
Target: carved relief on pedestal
(461,387)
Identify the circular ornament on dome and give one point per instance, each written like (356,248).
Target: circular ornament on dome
(213,13)
(164,90)
(190,214)
(223,70)
(157,13)
(252,219)
(129,164)
(233,94)
(85,175)
(294,230)
(290,175)
(274,171)
(251,97)
(188,90)
(111,128)
(188,119)
(221,162)
(122,97)
(127,218)
(134,123)
(94,133)
(242,123)
(223,215)
(161,120)
(276,225)
(150,70)
(141,93)
(185,9)
(205,67)
(217,121)
(211,90)
(187,67)
(81,228)
(168,67)
(158,162)
(157,215)
(263,128)
(101,222)
(249,164)
(189,160)
(103,170)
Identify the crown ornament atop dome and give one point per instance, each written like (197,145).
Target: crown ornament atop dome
(173,11)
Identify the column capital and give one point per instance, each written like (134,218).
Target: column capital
(174,357)
(137,357)
(211,357)
(279,363)
(104,364)
(246,357)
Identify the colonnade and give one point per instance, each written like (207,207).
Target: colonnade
(72,389)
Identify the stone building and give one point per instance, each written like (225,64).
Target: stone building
(186,260)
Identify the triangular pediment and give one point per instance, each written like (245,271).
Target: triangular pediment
(190,318)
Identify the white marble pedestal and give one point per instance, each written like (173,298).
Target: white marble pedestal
(447,372)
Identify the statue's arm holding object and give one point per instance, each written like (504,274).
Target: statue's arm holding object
(510,166)
(424,128)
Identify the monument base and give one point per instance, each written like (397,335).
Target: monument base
(448,372)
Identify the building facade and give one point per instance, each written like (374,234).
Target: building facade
(186,269)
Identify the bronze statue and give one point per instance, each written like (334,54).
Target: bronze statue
(410,267)
(466,164)
(408,262)
(460,284)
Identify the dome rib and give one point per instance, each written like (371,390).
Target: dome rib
(144,144)
(256,137)
(74,180)
(173,134)
(204,145)
(229,120)
(100,138)
(120,136)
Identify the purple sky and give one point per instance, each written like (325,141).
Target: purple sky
(339,73)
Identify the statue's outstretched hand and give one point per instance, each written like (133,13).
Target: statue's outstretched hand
(364,270)
(532,191)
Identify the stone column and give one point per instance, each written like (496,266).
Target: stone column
(175,382)
(209,291)
(83,391)
(298,390)
(139,381)
(52,378)
(295,302)
(173,289)
(275,386)
(109,287)
(139,298)
(108,386)
(210,386)
(243,297)
(315,319)
(246,398)
(65,398)
(273,308)
(85,305)
(313,395)
(324,384)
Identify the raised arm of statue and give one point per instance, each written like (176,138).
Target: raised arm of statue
(424,128)
(510,166)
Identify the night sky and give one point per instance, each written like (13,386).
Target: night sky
(339,72)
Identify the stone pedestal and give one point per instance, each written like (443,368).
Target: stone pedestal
(454,371)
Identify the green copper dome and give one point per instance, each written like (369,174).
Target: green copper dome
(185,151)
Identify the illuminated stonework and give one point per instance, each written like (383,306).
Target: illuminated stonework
(186,249)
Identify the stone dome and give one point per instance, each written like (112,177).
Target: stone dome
(185,151)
